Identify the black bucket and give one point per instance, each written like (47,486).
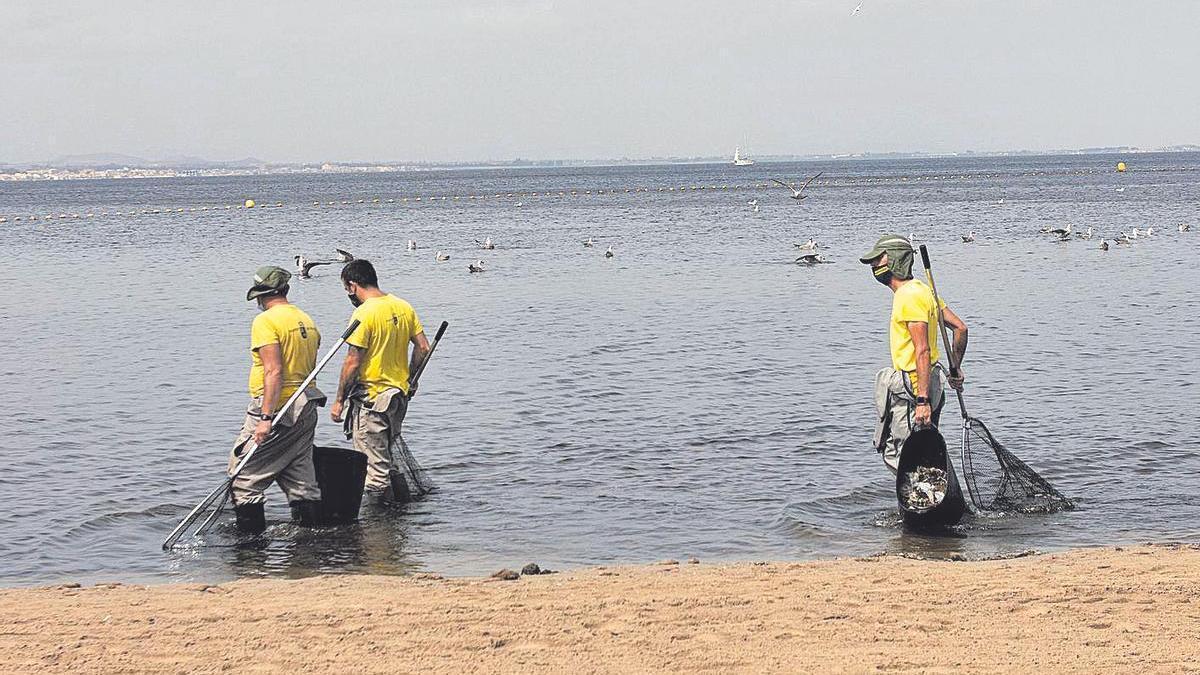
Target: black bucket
(341,473)
(926,447)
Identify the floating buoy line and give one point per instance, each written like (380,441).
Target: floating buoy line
(256,206)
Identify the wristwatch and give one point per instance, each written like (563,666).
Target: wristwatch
(266,417)
(922,400)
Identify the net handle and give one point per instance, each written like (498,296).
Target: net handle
(937,304)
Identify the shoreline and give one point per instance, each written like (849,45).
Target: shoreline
(1080,610)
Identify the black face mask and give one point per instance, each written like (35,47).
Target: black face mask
(883,275)
(354,299)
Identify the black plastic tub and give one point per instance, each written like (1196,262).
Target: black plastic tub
(341,473)
(926,447)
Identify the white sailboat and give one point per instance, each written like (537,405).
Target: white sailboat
(738,160)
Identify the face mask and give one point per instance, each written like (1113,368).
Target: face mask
(883,275)
(354,299)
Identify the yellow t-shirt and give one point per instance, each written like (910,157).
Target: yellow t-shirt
(387,326)
(913,302)
(289,327)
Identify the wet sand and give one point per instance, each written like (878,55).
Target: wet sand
(1081,611)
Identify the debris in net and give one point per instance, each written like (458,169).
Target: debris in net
(924,488)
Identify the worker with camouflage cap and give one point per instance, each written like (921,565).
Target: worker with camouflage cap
(909,394)
(283,351)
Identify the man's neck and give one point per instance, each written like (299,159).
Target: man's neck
(273,301)
(895,283)
(369,293)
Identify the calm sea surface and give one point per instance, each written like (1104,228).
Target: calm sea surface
(696,395)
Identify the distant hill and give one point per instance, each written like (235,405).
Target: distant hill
(108,160)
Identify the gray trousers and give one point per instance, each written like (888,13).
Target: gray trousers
(374,426)
(286,457)
(895,403)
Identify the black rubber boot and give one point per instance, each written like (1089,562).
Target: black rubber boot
(250,518)
(307,513)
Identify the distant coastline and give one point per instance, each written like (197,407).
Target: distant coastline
(115,167)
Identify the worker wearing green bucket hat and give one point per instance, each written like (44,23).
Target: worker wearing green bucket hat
(909,394)
(283,351)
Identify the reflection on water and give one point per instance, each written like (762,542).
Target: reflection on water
(697,394)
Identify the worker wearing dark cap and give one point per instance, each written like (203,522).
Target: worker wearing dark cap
(283,351)
(909,394)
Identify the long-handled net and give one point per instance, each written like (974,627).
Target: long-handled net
(997,480)
(421,484)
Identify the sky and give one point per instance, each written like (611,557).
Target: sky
(305,81)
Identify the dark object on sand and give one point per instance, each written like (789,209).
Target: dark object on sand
(924,453)
(341,473)
(996,479)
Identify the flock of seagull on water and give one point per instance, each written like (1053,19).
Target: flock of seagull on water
(808,250)
(304,266)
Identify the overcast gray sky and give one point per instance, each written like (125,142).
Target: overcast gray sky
(465,80)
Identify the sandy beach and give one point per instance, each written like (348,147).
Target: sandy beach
(1081,611)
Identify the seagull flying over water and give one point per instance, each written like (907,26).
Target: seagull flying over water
(303,265)
(1061,232)
(813,258)
(797,193)
(343,256)
(857,9)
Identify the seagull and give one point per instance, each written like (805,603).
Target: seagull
(412,245)
(1136,233)
(609,253)
(486,244)
(476,266)
(1061,232)
(968,238)
(810,259)
(755,209)
(1063,238)
(857,9)
(1149,231)
(809,245)
(589,243)
(797,194)
(519,204)
(303,265)
(1124,239)
(1103,245)
(343,256)
(1085,235)
(441,257)
(753,202)
(1184,227)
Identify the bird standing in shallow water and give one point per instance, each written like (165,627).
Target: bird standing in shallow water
(412,245)
(609,253)
(1103,245)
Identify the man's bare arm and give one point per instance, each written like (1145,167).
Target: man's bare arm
(272,360)
(920,338)
(354,356)
(420,351)
(960,334)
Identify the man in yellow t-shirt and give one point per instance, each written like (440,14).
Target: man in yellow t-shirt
(374,380)
(283,351)
(909,395)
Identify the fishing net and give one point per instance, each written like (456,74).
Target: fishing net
(421,485)
(998,481)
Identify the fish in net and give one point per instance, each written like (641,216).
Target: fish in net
(998,480)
